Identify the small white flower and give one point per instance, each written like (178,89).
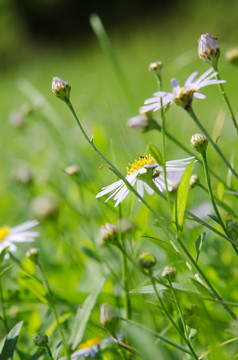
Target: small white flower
(147,165)
(182,96)
(89,348)
(18,234)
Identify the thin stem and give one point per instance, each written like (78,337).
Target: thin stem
(4,316)
(222,90)
(207,176)
(187,150)
(179,308)
(201,273)
(172,321)
(52,306)
(49,352)
(161,337)
(216,148)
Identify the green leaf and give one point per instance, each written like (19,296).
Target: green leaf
(214,218)
(10,342)
(3,253)
(156,154)
(181,200)
(83,315)
(161,243)
(35,286)
(220,193)
(148,289)
(198,244)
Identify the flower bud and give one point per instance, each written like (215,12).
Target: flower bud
(199,142)
(140,123)
(108,234)
(208,49)
(156,67)
(147,261)
(24,175)
(232,227)
(169,272)
(72,170)
(45,207)
(194,181)
(231,55)
(41,340)
(108,317)
(61,89)
(33,254)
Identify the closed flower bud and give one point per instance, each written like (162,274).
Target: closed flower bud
(72,170)
(41,340)
(61,89)
(169,272)
(231,55)
(208,49)
(108,234)
(147,261)
(108,317)
(156,67)
(141,123)
(232,227)
(45,207)
(199,142)
(33,254)
(194,181)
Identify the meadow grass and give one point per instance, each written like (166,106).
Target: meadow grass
(159,317)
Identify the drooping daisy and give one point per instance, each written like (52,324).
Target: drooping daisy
(182,96)
(89,348)
(147,165)
(17,234)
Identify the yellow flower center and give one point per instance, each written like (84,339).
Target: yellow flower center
(4,231)
(185,98)
(90,342)
(138,164)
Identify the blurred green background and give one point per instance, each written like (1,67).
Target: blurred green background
(41,39)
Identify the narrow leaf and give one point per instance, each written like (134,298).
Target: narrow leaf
(83,315)
(10,342)
(198,244)
(215,218)
(162,244)
(148,289)
(181,200)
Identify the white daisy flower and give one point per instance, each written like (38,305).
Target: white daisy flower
(89,348)
(182,96)
(138,170)
(18,234)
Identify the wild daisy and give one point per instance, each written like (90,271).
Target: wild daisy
(136,175)
(90,348)
(18,234)
(182,96)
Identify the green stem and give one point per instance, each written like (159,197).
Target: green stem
(172,321)
(161,337)
(216,148)
(163,141)
(201,273)
(4,316)
(188,151)
(49,352)
(179,308)
(52,306)
(222,90)
(204,157)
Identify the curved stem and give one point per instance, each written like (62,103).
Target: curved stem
(225,97)
(188,151)
(52,306)
(216,148)
(172,321)
(204,157)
